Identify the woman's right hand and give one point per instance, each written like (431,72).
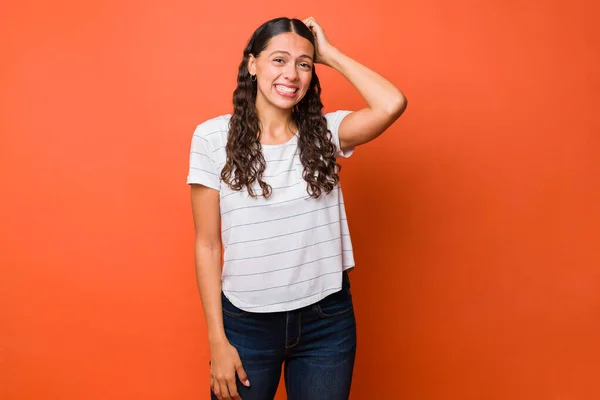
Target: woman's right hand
(224,364)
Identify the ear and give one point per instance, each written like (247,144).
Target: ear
(251,64)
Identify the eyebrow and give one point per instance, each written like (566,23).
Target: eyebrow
(285,52)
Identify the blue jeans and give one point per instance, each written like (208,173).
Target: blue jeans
(315,344)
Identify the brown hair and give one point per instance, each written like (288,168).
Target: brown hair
(245,162)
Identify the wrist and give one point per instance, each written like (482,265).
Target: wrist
(334,57)
(217,338)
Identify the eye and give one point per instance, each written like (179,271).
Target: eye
(305,65)
(278,60)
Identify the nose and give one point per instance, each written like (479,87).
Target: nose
(291,73)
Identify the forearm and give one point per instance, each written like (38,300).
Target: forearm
(208,276)
(379,93)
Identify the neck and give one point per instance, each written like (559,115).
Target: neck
(277,124)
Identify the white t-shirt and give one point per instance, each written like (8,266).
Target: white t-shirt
(284,252)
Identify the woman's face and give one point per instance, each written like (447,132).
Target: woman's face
(283,70)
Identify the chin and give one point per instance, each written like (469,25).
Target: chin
(285,105)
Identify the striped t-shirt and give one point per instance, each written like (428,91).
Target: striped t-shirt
(284,252)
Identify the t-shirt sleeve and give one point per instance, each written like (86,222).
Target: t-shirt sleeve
(203,168)
(333,123)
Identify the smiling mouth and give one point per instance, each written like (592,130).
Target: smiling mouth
(285,89)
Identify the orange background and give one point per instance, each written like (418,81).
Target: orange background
(475,218)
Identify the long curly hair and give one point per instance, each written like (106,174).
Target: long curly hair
(245,162)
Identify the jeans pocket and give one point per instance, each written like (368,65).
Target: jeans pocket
(337,303)
(230,310)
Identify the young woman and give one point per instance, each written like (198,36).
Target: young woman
(265,186)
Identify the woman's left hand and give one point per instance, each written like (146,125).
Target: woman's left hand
(324,48)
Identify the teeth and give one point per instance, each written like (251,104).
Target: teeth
(286,89)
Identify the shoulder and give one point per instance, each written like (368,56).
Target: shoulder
(214,130)
(334,118)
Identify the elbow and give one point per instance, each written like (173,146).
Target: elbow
(397,106)
(208,246)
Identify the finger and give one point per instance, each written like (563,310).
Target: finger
(241,373)
(312,21)
(217,390)
(232,387)
(314,28)
(224,390)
